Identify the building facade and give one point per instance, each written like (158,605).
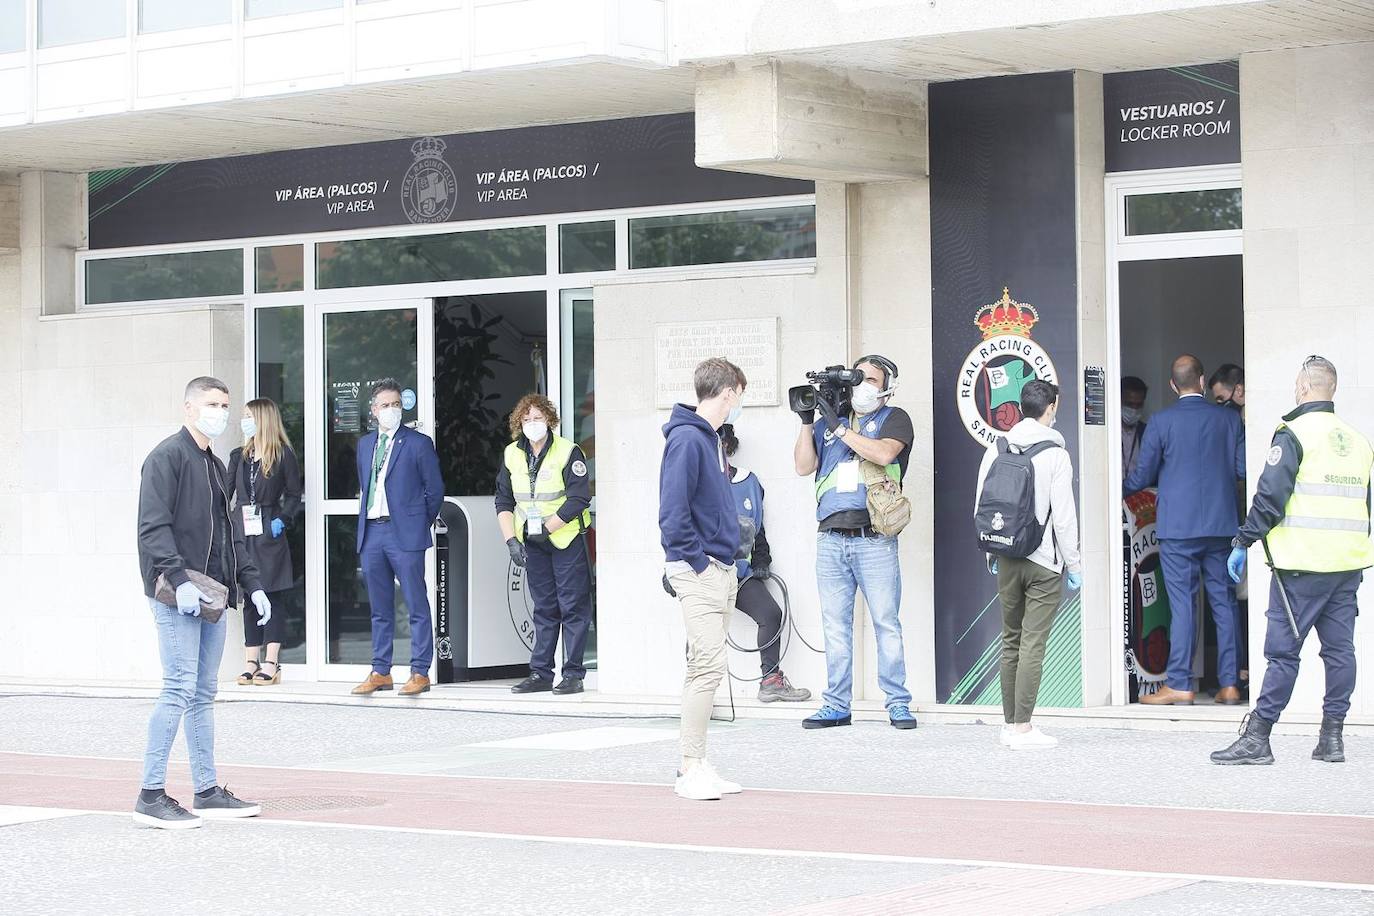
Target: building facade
(493,196)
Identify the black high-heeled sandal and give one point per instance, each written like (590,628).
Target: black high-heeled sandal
(247,677)
(262,680)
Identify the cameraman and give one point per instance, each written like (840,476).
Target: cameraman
(849,553)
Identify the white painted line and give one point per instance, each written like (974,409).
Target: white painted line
(584,739)
(25,814)
(342,767)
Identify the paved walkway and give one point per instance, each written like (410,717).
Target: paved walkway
(471,812)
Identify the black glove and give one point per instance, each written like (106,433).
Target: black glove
(668,587)
(517,551)
(807,417)
(761,572)
(832,420)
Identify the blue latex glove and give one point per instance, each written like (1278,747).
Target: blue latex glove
(1075,581)
(189,598)
(992,565)
(1235,563)
(259,599)
(278,526)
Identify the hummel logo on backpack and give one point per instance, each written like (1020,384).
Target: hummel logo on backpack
(1005,520)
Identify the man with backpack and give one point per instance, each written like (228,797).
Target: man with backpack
(1027,524)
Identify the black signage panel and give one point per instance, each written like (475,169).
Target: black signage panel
(1094,396)
(1004,299)
(1164,119)
(564,168)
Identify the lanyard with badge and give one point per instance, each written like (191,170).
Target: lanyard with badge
(534,523)
(252,514)
(847,472)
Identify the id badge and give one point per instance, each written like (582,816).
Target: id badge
(252,521)
(847,477)
(534,526)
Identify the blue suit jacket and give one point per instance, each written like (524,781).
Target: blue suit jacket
(414,487)
(1194,452)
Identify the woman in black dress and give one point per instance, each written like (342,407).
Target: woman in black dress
(267,499)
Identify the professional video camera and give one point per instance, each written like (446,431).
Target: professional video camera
(833,384)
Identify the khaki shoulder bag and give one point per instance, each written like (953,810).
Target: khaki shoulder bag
(888,510)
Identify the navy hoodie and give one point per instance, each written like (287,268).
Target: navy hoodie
(696,508)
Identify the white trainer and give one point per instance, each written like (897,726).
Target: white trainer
(1034,739)
(1004,736)
(697,784)
(725,786)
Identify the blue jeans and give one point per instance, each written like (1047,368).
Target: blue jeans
(868,563)
(190,649)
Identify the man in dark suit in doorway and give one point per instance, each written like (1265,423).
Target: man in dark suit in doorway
(402,492)
(1194,452)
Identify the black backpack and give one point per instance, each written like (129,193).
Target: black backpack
(1005,520)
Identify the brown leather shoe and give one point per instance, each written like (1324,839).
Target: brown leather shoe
(1168,696)
(373,683)
(1228,696)
(417,685)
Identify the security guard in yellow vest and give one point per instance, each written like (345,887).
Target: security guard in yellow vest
(543,500)
(1311,511)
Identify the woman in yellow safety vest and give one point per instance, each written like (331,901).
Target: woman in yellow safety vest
(543,502)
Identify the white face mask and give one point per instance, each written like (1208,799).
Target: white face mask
(865,398)
(535,430)
(389,418)
(1130,416)
(249,427)
(213,421)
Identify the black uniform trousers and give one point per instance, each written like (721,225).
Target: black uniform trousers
(756,601)
(1324,602)
(560,582)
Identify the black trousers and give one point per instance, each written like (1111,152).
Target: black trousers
(755,600)
(275,631)
(560,582)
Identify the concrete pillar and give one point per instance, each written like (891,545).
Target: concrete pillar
(800,121)
(52,228)
(10,335)
(1307,156)
(1097,535)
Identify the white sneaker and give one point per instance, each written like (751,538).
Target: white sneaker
(1004,736)
(699,783)
(1031,740)
(725,786)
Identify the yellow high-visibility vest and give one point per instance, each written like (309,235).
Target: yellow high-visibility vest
(548,493)
(1325,526)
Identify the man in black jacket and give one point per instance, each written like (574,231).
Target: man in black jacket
(183,526)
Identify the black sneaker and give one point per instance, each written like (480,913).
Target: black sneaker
(568,685)
(533,684)
(164,813)
(219,802)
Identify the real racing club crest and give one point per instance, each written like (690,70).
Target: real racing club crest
(991,378)
(429,191)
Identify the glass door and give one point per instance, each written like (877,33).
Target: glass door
(361,344)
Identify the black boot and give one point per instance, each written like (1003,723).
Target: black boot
(1330,745)
(1251,747)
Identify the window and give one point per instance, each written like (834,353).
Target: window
(167,15)
(279,269)
(1183,211)
(14,34)
(184,275)
(586,246)
(258,9)
(723,238)
(67,22)
(481,254)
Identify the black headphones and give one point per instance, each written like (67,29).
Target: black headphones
(889,371)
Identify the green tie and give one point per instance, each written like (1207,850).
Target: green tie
(378,459)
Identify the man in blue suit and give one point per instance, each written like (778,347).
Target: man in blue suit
(1194,452)
(402,492)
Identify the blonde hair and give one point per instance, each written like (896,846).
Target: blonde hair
(540,403)
(271,440)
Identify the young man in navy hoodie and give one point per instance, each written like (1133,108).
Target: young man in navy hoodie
(701,537)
